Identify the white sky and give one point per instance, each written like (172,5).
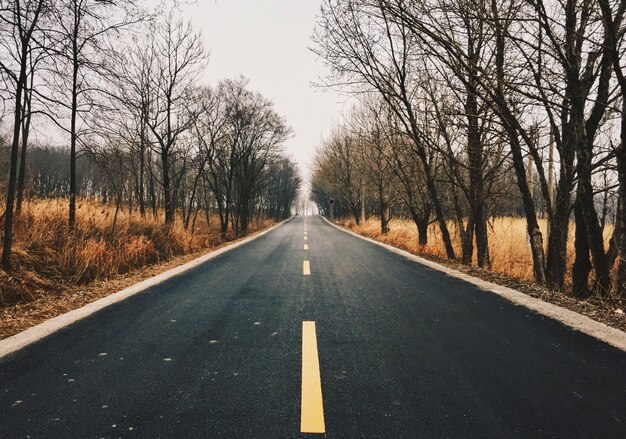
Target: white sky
(267,41)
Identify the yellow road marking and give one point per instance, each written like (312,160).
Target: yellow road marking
(312,408)
(306,246)
(305,238)
(306,269)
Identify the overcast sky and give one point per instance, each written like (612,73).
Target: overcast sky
(267,41)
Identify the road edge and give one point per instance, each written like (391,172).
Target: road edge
(31,335)
(572,319)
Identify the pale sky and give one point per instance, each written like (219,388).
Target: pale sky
(267,41)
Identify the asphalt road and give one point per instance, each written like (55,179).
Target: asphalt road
(403,352)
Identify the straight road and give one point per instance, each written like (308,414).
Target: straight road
(329,335)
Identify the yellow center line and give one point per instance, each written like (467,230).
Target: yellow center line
(312,408)
(306,246)
(305,237)
(306,269)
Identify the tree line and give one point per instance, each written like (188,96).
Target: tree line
(123,86)
(475,108)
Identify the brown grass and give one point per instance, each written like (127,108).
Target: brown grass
(48,258)
(508,245)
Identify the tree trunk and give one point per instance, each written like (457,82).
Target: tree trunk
(421,222)
(532,226)
(550,192)
(354,208)
(384,218)
(8,220)
(582,265)
(558,221)
(482,238)
(362,202)
(224,213)
(167,195)
(191,200)
(153,195)
(621,221)
(475,155)
(621,236)
(142,164)
(384,209)
(443,227)
(244,218)
(422,231)
(585,199)
(21,180)
(467,241)
(73,134)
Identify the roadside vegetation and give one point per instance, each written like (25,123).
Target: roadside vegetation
(508,245)
(48,258)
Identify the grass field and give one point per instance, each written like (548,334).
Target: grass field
(47,257)
(508,243)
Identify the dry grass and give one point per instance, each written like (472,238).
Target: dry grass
(48,258)
(508,243)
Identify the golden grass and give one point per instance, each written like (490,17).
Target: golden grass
(508,244)
(47,257)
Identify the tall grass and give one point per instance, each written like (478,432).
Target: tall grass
(47,255)
(508,243)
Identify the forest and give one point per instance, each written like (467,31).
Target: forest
(474,114)
(111,139)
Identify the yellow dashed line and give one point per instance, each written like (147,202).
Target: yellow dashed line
(306,269)
(312,408)
(306,246)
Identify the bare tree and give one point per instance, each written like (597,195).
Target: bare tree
(81,60)
(371,126)
(179,57)
(612,17)
(19,27)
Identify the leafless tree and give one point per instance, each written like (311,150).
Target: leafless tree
(179,58)
(80,64)
(20,25)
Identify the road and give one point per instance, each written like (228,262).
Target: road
(367,344)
